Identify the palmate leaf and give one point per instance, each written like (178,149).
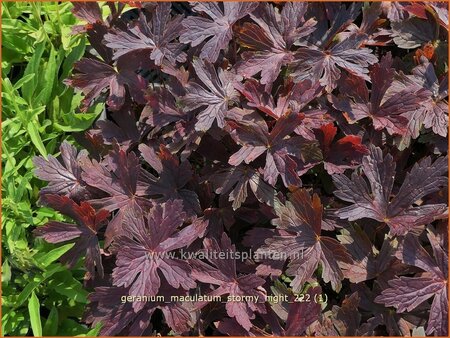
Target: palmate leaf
(406,293)
(95,76)
(295,97)
(88,222)
(345,153)
(325,65)
(302,314)
(270,41)
(436,112)
(119,318)
(414,31)
(214,97)
(422,10)
(399,213)
(341,320)
(223,274)
(218,27)
(267,265)
(368,263)
(95,26)
(63,179)
(433,110)
(396,324)
(122,128)
(122,178)
(87,11)
(161,109)
(297,315)
(155,37)
(257,97)
(173,179)
(280,149)
(236,180)
(142,250)
(302,242)
(388,112)
(332,19)
(372,25)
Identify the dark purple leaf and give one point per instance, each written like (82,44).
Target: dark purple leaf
(95,76)
(63,179)
(303,243)
(279,148)
(223,274)
(271,40)
(119,178)
(413,32)
(325,65)
(214,97)
(398,212)
(217,28)
(143,259)
(236,180)
(387,112)
(162,109)
(406,293)
(346,153)
(88,222)
(119,318)
(173,178)
(155,37)
(122,129)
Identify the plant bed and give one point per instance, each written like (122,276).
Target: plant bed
(258,169)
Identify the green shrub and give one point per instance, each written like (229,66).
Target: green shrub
(40,296)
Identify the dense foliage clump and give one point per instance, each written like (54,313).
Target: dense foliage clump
(288,159)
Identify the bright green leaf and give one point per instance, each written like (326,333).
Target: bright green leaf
(94,332)
(36,138)
(32,68)
(23,80)
(35,316)
(46,82)
(54,254)
(51,324)
(6,273)
(26,293)
(77,122)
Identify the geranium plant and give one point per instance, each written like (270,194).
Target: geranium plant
(259,169)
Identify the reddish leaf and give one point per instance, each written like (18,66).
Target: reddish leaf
(280,150)
(223,274)
(63,179)
(95,76)
(155,37)
(271,40)
(216,97)
(386,112)
(173,178)
(346,153)
(88,222)
(303,243)
(399,212)
(217,28)
(236,180)
(119,318)
(143,250)
(406,293)
(325,65)
(119,179)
